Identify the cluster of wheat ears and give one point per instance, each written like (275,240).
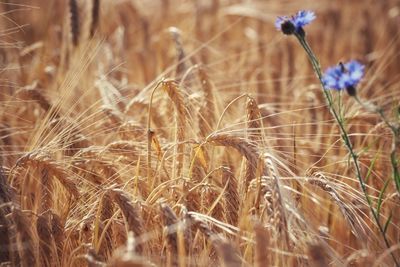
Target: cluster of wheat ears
(193,133)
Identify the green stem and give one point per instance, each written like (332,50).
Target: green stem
(345,137)
(395,132)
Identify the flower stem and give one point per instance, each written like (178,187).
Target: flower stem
(395,141)
(345,137)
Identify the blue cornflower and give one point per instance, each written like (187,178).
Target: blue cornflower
(290,25)
(344,76)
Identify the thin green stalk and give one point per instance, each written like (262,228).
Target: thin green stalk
(395,143)
(345,137)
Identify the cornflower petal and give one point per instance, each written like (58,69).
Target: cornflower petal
(295,23)
(302,18)
(343,76)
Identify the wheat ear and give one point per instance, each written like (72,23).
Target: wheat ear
(74,21)
(226,251)
(131,213)
(231,196)
(175,94)
(44,162)
(207,111)
(242,145)
(35,95)
(95,17)
(254,127)
(321,181)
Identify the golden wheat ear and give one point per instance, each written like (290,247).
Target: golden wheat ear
(174,92)
(226,252)
(132,215)
(178,241)
(232,198)
(95,17)
(104,233)
(33,93)
(208,111)
(74,21)
(44,162)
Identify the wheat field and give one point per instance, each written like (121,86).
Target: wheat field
(194,133)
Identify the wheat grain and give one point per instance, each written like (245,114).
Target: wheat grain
(232,198)
(46,201)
